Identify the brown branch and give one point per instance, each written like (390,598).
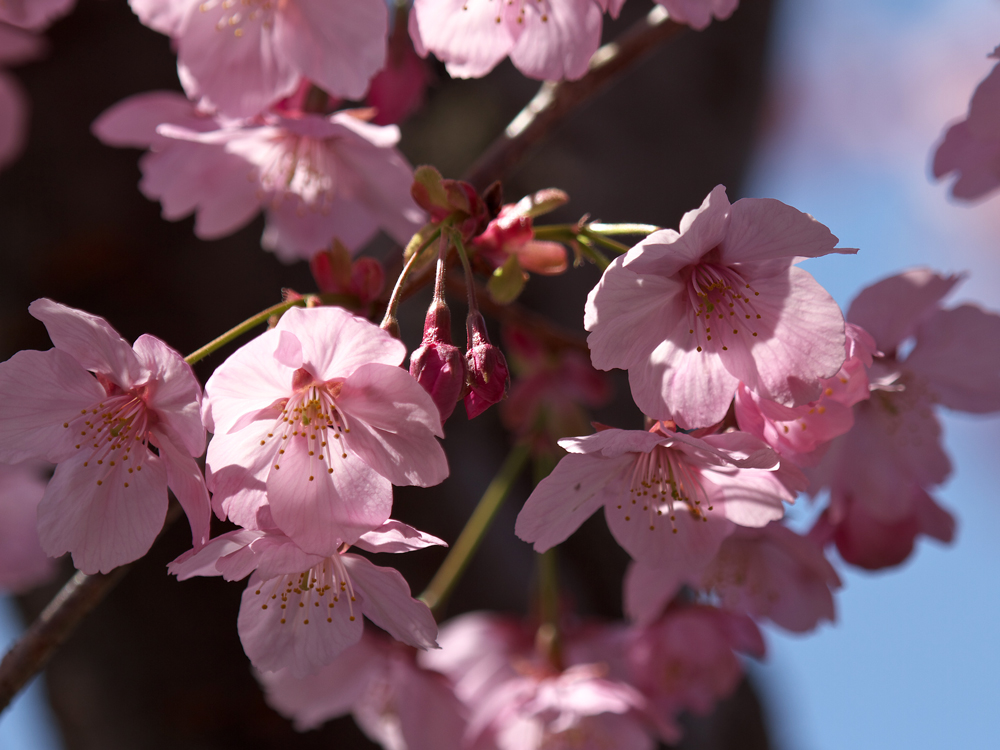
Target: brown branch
(554,101)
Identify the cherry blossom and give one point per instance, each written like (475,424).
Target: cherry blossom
(551,39)
(23,562)
(518,701)
(970,149)
(698,14)
(770,573)
(318,178)
(16,46)
(395,702)
(241,58)
(669,498)
(108,497)
(686,660)
(878,473)
(289,589)
(800,433)
(486,370)
(314,422)
(692,314)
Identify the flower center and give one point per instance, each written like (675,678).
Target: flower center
(517,6)
(661,480)
(311,595)
(245,11)
(311,415)
(305,169)
(110,430)
(724,310)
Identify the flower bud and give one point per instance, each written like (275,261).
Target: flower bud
(487,368)
(437,364)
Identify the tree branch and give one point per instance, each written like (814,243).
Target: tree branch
(554,101)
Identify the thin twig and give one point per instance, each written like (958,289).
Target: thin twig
(556,100)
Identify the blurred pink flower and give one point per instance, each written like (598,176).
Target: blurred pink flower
(878,472)
(318,178)
(770,573)
(23,563)
(549,39)
(970,149)
(242,57)
(686,660)
(692,314)
(288,591)
(398,89)
(669,498)
(33,14)
(800,433)
(698,14)
(396,703)
(552,390)
(16,46)
(108,498)
(314,421)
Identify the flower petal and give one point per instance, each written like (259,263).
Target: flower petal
(103,515)
(386,601)
(320,510)
(293,644)
(236,469)
(576,488)
(39,393)
(394,536)
(186,481)
(393,423)
(90,341)
(174,392)
(763,229)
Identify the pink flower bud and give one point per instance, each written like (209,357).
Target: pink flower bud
(437,364)
(449,200)
(336,274)
(487,368)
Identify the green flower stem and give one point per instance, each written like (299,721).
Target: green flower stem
(465,546)
(632,229)
(547,640)
(470,282)
(592,254)
(247,325)
(606,242)
(390,322)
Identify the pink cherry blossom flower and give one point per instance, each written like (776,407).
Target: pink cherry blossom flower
(800,433)
(698,14)
(241,58)
(669,498)
(686,660)
(23,563)
(869,541)
(549,398)
(511,234)
(318,178)
(108,498)
(551,40)
(770,573)
(692,314)
(970,149)
(33,14)
(314,421)
(290,589)
(578,707)
(517,701)
(396,703)
(16,46)
(878,472)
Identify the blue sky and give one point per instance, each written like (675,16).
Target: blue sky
(863,90)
